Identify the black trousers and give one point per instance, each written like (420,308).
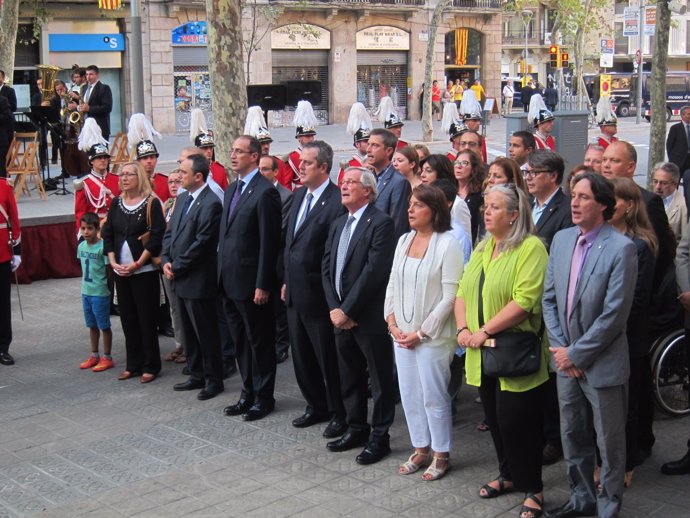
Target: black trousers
(5,306)
(357,353)
(138,298)
(227,346)
(282,328)
(516,423)
(252,329)
(316,362)
(4,149)
(201,339)
(551,412)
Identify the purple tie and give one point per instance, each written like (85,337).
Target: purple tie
(575,268)
(235,198)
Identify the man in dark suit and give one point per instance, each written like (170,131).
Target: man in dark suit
(8,93)
(550,206)
(587,298)
(620,160)
(315,207)
(269,166)
(247,258)
(97,100)
(190,258)
(551,213)
(356,264)
(393,190)
(678,149)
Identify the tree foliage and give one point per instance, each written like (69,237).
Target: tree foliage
(427,126)
(262,18)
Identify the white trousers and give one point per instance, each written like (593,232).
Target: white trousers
(423,375)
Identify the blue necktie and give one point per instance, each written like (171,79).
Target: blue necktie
(187,204)
(235,198)
(310,197)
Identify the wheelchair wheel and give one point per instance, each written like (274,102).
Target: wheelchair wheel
(669,365)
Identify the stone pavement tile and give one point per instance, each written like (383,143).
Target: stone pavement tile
(375,512)
(319,512)
(182,507)
(424,510)
(6,513)
(281,508)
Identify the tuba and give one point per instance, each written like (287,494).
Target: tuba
(48,74)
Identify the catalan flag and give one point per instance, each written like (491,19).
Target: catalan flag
(109,4)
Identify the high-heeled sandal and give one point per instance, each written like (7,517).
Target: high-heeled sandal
(492,492)
(434,473)
(409,467)
(532,512)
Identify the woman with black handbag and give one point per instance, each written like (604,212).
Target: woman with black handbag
(498,310)
(132,239)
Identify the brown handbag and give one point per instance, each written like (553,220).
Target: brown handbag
(146,236)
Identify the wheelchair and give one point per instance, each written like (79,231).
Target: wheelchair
(669,364)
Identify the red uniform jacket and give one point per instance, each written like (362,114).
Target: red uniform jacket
(355,161)
(293,164)
(452,155)
(219,174)
(604,142)
(9,205)
(160,187)
(95,195)
(549,143)
(401,144)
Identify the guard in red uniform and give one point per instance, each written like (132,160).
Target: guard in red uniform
(359,126)
(305,132)
(147,156)
(218,172)
(256,126)
(542,119)
(95,191)
(472,116)
(608,122)
(391,120)
(10,259)
(453,125)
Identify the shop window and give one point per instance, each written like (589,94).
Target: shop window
(377,81)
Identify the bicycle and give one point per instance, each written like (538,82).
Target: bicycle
(669,363)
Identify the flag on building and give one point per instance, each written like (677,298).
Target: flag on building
(109,4)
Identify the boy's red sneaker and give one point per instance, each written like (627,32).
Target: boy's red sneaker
(93,360)
(104,365)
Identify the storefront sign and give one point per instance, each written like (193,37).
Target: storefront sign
(298,36)
(86,43)
(383,37)
(191,33)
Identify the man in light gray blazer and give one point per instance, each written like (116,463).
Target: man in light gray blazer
(586,302)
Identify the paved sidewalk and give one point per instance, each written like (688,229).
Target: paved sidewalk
(75,443)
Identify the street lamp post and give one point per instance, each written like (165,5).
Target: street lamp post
(640,64)
(526,19)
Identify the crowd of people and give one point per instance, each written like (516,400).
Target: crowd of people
(411,270)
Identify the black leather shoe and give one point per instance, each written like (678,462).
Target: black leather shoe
(335,428)
(190,384)
(166,330)
(309,419)
(677,467)
(210,391)
(281,356)
(238,408)
(6,359)
(186,371)
(373,453)
(257,411)
(568,511)
(551,453)
(348,441)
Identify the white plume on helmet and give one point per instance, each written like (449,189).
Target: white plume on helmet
(91,135)
(140,128)
(385,109)
(450,116)
(304,115)
(469,104)
(255,121)
(605,114)
(358,118)
(197,124)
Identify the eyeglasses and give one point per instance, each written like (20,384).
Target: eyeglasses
(462,163)
(171,182)
(265,169)
(349,182)
(662,183)
(532,173)
(235,151)
(128,175)
(469,144)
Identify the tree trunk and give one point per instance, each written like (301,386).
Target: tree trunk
(9,21)
(427,122)
(225,62)
(657,135)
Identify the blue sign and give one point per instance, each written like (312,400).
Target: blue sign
(86,42)
(192,33)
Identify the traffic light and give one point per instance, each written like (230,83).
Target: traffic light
(564,60)
(554,55)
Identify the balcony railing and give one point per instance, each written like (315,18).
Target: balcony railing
(409,3)
(477,4)
(517,37)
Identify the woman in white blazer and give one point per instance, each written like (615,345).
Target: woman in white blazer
(419,302)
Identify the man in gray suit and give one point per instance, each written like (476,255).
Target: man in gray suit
(586,302)
(394,190)
(190,250)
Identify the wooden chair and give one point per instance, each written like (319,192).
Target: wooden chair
(24,164)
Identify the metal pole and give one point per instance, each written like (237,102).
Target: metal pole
(137,82)
(640,65)
(526,18)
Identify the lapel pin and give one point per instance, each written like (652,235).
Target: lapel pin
(369,220)
(323,203)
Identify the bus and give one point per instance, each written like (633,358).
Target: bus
(622,98)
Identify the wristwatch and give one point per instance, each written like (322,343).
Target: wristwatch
(483,330)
